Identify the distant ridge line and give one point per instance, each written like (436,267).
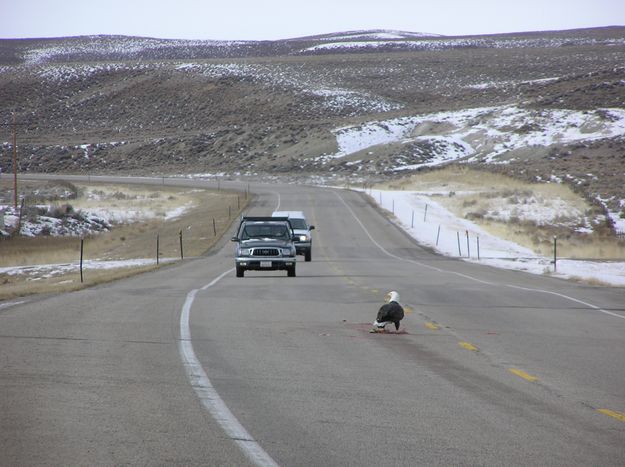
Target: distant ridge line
(402,35)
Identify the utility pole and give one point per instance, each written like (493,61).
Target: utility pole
(14,163)
(14,126)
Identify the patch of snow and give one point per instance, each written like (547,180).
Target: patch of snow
(452,43)
(177,212)
(615,216)
(354,139)
(43,271)
(118,45)
(378,35)
(73,224)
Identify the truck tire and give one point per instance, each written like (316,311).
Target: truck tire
(308,256)
(240,271)
(291,271)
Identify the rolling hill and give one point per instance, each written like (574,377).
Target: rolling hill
(540,106)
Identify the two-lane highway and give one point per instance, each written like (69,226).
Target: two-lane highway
(188,365)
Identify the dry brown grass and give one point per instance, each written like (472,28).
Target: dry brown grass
(569,245)
(130,241)
(21,251)
(138,240)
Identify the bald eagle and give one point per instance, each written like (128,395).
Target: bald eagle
(391,312)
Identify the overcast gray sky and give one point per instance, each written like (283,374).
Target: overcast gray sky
(280,19)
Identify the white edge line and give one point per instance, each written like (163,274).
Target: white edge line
(207,393)
(10,304)
(277,208)
(589,305)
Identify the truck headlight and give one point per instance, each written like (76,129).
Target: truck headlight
(244,252)
(303,238)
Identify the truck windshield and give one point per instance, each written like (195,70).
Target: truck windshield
(298,223)
(265,231)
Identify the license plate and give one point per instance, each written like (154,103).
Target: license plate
(265,264)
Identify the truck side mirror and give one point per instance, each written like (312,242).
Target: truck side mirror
(234,239)
(311,227)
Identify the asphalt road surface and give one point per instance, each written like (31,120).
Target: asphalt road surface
(189,365)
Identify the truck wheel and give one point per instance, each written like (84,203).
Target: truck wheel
(240,271)
(308,256)
(291,271)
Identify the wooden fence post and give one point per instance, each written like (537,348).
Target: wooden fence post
(82,242)
(181,251)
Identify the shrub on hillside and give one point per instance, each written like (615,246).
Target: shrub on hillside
(60,212)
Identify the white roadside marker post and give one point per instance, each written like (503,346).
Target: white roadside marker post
(555,253)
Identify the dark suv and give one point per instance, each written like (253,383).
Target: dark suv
(264,244)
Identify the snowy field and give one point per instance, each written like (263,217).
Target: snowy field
(450,235)
(100,215)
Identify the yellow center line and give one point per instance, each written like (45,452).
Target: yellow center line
(432,326)
(523,375)
(468,346)
(611,413)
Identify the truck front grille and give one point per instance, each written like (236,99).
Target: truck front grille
(265,252)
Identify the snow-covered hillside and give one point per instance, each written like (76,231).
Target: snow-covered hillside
(489,134)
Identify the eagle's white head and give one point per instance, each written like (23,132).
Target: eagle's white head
(392,297)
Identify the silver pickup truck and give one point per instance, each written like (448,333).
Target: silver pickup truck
(302,230)
(264,244)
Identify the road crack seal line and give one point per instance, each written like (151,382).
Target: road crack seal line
(206,392)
